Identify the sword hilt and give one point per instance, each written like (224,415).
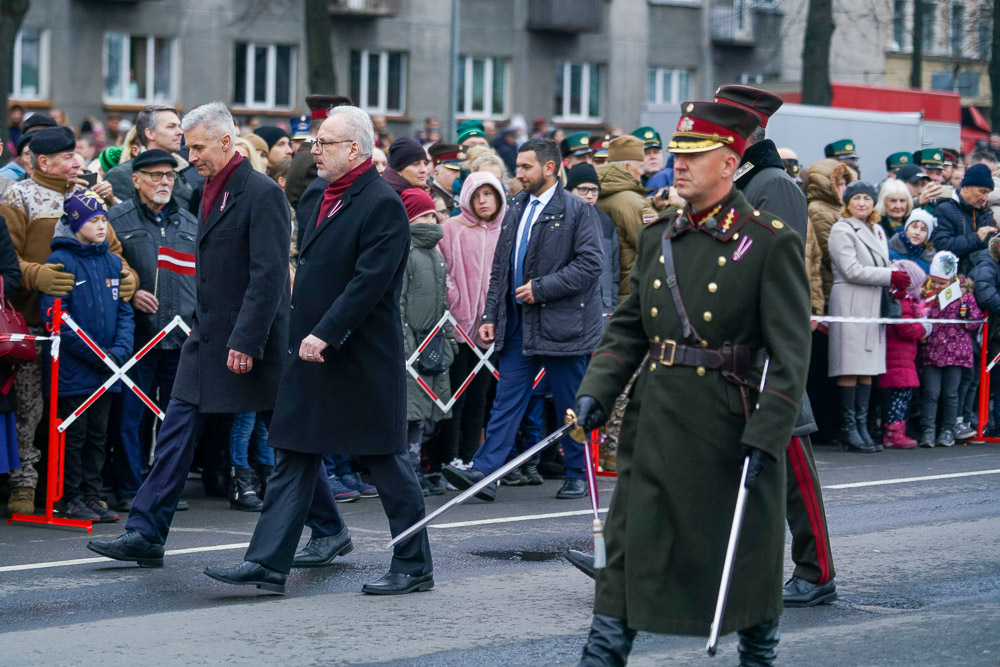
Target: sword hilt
(577,432)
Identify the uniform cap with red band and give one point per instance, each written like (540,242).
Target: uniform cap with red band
(762,103)
(705,126)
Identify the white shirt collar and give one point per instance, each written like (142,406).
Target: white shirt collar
(545,197)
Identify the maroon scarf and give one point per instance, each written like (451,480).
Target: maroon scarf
(214,186)
(336,190)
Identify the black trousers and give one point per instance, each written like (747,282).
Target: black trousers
(806,514)
(299,494)
(85,445)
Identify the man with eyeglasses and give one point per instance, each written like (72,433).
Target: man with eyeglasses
(158,127)
(151,219)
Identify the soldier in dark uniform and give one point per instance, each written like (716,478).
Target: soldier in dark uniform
(762,180)
(692,420)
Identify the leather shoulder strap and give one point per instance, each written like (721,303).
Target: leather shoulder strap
(675,292)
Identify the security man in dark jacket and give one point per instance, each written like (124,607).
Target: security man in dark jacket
(965,224)
(231,362)
(543,309)
(151,219)
(716,286)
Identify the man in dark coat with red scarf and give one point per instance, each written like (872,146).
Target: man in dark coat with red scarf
(232,360)
(343,390)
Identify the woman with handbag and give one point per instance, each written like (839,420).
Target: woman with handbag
(862,276)
(11,322)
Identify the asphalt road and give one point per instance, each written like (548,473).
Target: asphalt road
(918,572)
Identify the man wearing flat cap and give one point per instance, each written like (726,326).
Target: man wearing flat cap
(762,179)
(32,208)
(717,288)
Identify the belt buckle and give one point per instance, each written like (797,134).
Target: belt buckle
(673,352)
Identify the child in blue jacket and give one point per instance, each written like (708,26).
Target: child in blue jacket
(79,244)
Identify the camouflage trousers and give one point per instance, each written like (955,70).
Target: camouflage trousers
(608,449)
(28,385)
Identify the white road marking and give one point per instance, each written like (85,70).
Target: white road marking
(484,522)
(907,480)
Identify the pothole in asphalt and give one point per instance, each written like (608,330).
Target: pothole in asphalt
(520,555)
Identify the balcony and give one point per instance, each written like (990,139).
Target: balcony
(733,24)
(365,8)
(566,16)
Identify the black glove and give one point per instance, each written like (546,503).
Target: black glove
(758,461)
(589,413)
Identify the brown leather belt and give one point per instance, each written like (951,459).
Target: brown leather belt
(730,359)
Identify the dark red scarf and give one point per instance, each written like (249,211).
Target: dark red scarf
(336,190)
(214,186)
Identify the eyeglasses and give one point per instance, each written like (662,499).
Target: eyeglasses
(587,191)
(158,176)
(323,144)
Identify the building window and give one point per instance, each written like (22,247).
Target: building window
(984,39)
(667,86)
(579,89)
(927,7)
(482,87)
(264,75)
(30,81)
(138,69)
(898,25)
(957,29)
(378,81)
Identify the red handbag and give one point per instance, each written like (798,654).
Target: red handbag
(14,352)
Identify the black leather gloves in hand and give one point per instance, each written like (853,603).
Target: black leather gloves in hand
(589,413)
(758,461)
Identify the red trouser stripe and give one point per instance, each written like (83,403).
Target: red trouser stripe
(808,492)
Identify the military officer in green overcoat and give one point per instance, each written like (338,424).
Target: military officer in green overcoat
(717,287)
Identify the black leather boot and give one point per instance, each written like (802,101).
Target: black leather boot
(862,398)
(758,645)
(609,642)
(850,439)
(242,495)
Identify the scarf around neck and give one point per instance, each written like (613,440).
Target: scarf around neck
(215,185)
(336,190)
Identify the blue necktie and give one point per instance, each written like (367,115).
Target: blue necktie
(522,249)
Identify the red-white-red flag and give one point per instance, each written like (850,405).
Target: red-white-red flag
(178,262)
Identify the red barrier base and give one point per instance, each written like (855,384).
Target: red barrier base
(595,441)
(51,521)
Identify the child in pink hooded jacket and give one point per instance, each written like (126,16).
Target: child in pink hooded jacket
(468,246)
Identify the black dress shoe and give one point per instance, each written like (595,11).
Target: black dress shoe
(320,551)
(581,561)
(464,479)
(130,546)
(572,488)
(397,583)
(249,573)
(801,593)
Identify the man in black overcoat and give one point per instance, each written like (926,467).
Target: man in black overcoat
(343,390)
(232,360)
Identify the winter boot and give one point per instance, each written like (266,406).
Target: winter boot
(609,643)
(849,438)
(862,397)
(242,495)
(22,500)
(261,473)
(758,645)
(895,437)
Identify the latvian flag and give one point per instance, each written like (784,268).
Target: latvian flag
(178,262)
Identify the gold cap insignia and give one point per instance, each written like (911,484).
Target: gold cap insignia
(903,158)
(584,141)
(649,134)
(849,147)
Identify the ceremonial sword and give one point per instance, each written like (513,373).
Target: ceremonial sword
(734,537)
(570,426)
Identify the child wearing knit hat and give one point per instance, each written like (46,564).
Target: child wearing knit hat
(913,241)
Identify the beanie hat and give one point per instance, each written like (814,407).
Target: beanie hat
(625,148)
(581,173)
(404,152)
(417,203)
(271,134)
(81,206)
(468,129)
(915,273)
(944,265)
(110,157)
(978,175)
(859,188)
(924,217)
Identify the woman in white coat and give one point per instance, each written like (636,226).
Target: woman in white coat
(859,256)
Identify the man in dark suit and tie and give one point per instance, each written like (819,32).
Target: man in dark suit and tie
(343,390)
(232,360)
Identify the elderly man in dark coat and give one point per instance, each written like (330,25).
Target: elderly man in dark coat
(343,390)
(231,362)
